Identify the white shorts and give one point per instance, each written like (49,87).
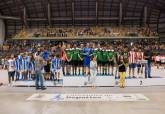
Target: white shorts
(42,71)
(58,70)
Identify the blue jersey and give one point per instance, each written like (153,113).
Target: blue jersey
(45,55)
(24,65)
(28,62)
(28,59)
(56,63)
(52,67)
(87,52)
(20,57)
(17,64)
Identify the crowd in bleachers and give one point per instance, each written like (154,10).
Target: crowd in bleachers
(96,31)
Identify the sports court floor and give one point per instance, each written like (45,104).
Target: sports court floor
(13,101)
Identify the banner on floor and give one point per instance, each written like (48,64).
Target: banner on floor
(87,97)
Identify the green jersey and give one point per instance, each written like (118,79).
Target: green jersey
(99,55)
(68,53)
(95,52)
(81,55)
(75,54)
(111,54)
(104,56)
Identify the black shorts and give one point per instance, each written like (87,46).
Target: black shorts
(69,63)
(47,69)
(11,73)
(75,63)
(104,63)
(111,63)
(99,63)
(80,63)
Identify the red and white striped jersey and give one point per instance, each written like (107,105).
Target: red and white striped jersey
(139,55)
(132,57)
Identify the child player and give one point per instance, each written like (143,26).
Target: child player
(111,59)
(69,56)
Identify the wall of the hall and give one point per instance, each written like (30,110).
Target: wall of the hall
(2,31)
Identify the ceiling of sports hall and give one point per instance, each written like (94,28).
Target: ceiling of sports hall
(82,12)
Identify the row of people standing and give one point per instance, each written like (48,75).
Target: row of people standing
(107,58)
(76,61)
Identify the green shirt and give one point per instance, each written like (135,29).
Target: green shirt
(95,52)
(75,54)
(111,54)
(99,55)
(104,56)
(69,53)
(80,54)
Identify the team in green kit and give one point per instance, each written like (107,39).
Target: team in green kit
(105,55)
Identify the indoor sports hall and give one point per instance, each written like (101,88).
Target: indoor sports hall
(82,56)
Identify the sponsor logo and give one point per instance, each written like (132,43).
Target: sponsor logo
(57,97)
(89,97)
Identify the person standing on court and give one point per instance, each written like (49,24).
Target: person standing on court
(148,57)
(87,53)
(132,62)
(93,72)
(122,72)
(11,68)
(39,64)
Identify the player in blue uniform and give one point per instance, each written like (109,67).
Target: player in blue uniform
(57,66)
(24,68)
(45,54)
(28,60)
(52,69)
(20,57)
(17,68)
(87,52)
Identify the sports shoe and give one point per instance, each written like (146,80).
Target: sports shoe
(38,88)
(43,88)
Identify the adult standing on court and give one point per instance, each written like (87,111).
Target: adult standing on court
(87,52)
(38,72)
(148,57)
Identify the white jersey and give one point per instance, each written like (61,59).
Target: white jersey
(11,64)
